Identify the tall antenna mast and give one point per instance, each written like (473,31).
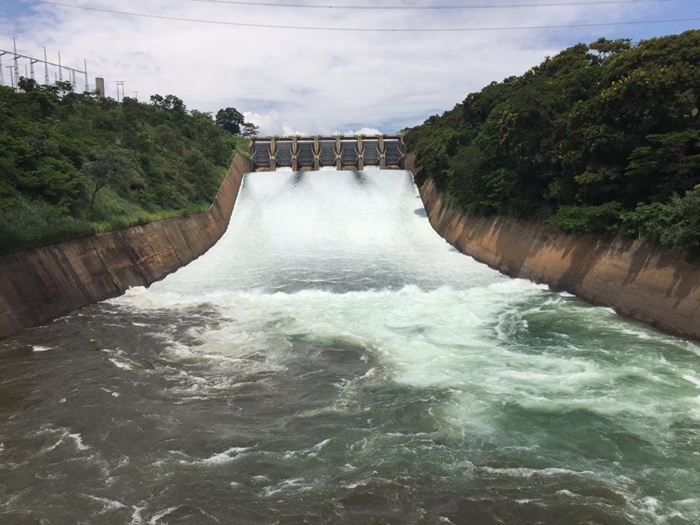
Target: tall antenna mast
(31,66)
(46,70)
(14,42)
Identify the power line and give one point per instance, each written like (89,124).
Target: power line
(370,30)
(434,7)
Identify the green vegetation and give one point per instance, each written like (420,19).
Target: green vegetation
(601,138)
(76,164)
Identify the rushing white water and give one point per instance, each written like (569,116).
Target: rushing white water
(332,359)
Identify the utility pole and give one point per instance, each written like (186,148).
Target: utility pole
(31,66)
(120,83)
(46,70)
(60,69)
(14,42)
(2,73)
(87,84)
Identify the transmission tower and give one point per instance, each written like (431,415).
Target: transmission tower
(29,70)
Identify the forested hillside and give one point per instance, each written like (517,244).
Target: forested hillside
(601,138)
(73,164)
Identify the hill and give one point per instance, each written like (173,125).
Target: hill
(75,164)
(601,138)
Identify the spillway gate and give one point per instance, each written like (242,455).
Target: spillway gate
(313,153)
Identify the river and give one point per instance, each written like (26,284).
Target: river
(333,360)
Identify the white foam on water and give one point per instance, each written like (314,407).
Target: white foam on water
(78,440)
(530,472)
(162,514)
(136,517)
(108,505)
(288,485)
(692,378)
(121,364)
(39,348)
(224,457)
(62,436)
(308,452)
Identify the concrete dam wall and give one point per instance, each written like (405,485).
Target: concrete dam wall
(640,281)
(42,284)
(314,153)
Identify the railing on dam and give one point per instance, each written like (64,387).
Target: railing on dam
(313,153)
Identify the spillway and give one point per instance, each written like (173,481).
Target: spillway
(332,360)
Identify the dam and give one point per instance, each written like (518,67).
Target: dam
(314,153)
(333,360)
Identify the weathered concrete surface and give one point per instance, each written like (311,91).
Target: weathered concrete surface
(640,281)
(43,284)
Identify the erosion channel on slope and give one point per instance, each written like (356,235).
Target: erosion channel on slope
(333,360)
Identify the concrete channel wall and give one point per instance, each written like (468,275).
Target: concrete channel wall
(640,281)
(42,284)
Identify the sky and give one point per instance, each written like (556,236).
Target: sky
(305,78)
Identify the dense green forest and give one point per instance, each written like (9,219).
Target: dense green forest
(601,138)
(73,164)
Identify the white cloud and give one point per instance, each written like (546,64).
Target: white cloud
(293,81)
(271,124)
(363,131)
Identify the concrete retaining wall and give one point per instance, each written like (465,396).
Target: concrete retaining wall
(39,285)
(640,281)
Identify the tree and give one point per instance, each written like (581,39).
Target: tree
(104,165)
(687,221)
(170,103)
(27,84)
(231,120)
(607,48)
(249,130)
(59,89)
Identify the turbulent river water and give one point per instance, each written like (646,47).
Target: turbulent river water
(333,360)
